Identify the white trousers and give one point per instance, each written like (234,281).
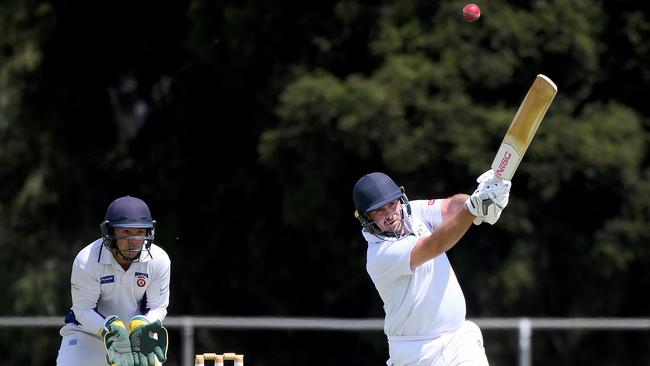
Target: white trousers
(81,349)
(463,347)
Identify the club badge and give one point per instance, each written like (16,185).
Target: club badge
(141,279)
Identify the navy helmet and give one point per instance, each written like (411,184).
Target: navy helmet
(372,192)
(128,212)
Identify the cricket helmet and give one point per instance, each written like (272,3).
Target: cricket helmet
(372,192)
(128,212)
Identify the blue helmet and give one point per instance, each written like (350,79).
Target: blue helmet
(372,192)
(127,212)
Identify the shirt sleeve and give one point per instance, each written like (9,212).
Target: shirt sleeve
(158,291)
(429,211)
(85,290)
(391,259)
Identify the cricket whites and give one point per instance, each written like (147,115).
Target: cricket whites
(523,127)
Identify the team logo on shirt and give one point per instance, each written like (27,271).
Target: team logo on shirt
(141,279)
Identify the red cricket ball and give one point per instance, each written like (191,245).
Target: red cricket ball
(471,12)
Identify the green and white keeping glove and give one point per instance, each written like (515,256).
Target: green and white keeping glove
(116,342)
(148,341)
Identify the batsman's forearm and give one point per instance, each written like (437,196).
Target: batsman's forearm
(454,225)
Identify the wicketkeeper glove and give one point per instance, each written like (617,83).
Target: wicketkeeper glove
(489,199)
(148,341)
(116,342)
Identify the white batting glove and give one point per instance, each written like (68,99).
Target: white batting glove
(489,199)
(487,178)
(484,179)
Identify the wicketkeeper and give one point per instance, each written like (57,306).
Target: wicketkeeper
(120,293)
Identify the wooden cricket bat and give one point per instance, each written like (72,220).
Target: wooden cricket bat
(523,127)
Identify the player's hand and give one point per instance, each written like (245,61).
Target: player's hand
(486,179)
(148,341)
(489,199)
(116,342)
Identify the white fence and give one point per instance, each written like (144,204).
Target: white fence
(524,326)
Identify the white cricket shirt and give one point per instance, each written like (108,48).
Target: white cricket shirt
(101,287)
(426,302)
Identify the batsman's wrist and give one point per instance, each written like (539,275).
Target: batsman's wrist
(470,206)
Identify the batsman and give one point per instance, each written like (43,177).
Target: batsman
(406,259)
(120,294)
(408,240)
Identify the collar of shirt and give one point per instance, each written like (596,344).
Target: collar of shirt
(418,228)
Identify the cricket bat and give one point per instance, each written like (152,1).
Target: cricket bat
(523,127)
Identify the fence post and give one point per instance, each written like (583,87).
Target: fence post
(187,335)
(525,351)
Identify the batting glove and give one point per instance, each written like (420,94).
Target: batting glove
(148,341)
(487,178)
(116,342)
(489,199)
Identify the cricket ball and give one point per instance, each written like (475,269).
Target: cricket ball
(471,12)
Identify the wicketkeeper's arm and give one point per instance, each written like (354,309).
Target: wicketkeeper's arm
(85,294)
(158,291)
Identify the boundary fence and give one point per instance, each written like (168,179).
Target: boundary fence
(524,326)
